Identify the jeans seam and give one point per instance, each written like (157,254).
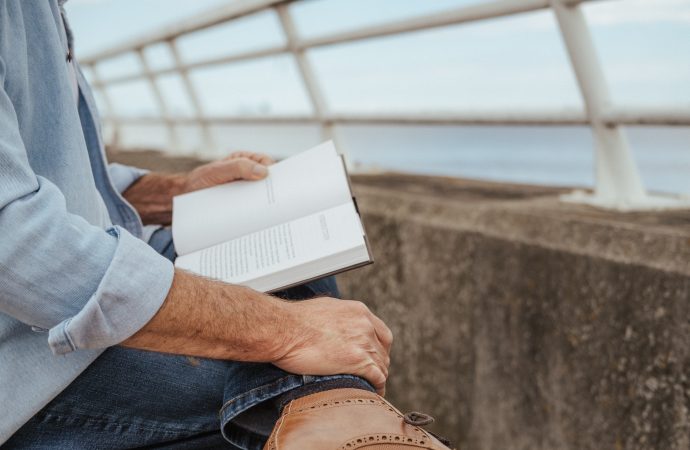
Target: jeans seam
(162,427)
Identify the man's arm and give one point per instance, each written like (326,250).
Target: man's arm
(206,318)
(151,195)
(322,336)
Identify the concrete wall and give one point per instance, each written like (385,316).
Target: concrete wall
(524,323)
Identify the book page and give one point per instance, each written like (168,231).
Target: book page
(278,248)
(295,187)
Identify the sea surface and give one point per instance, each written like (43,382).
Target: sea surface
(560,156)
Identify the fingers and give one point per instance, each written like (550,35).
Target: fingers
(373,374)
(241,169)
(381,359)
(383,333)
(380,340)
(261,158)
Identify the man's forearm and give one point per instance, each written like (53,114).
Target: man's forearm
(151,195)
(320,336)
(212,319)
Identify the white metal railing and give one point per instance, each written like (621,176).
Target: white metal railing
(618,183)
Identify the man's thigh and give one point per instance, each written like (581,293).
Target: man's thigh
(130,398)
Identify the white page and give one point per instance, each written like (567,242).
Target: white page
(295,187)
(279,248)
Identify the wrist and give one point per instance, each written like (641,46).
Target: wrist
(277,329)
(151,195)
(263,324)
(178,183)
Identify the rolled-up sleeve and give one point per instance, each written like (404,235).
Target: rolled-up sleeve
(92,288)
(128,295)
(124,176)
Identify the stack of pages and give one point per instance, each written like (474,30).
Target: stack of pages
(299,223)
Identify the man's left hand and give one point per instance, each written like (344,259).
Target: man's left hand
(152,194)
(237,166)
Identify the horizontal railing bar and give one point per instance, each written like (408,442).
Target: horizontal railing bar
(472,13)
(217,120)
(252,54)
(655,118)
(677,117)
(201,21)
(493,9)
(489,118)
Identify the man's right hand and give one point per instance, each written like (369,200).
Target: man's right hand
(337,337)
(322,336)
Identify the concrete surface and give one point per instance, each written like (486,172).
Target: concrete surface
(524,323)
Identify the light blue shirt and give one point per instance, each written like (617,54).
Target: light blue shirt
(75,275)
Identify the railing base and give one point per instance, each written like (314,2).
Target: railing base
(648,202)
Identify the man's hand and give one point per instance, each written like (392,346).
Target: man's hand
(322,336)
(151,195)
(338,337)
(237,166)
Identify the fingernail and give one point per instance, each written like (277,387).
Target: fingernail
(259,170)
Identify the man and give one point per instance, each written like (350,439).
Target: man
(103,344)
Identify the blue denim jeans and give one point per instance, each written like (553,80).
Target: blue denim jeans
(134,399)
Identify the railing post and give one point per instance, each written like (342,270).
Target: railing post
(311,85)
(160,99)
(192,94)
(97,82)
(618,183)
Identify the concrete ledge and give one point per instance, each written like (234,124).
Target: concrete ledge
(524,323)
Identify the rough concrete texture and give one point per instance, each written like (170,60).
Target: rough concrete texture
(525,323)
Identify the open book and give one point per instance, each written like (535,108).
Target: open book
(297,224)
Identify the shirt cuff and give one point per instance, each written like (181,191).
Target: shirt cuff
(124,176)
(129,295)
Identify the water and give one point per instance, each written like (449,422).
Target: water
(560,156)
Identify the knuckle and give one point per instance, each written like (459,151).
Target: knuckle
(373,371)
(245,166)
(361,307)
(378,377)
(359,355)
(235,166)
(365,329)
(355,308)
